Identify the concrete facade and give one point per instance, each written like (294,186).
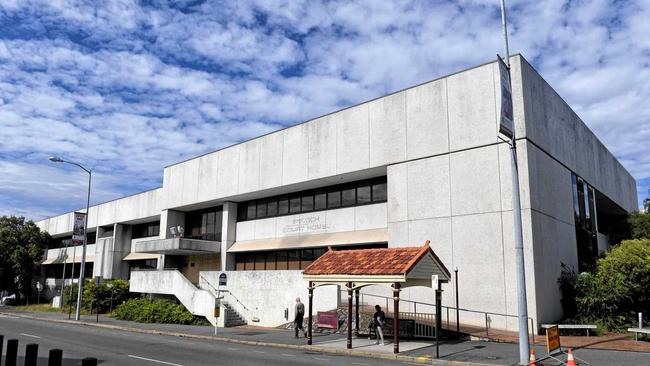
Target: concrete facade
(449,181)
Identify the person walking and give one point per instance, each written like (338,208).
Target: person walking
(379,321)
(299,310)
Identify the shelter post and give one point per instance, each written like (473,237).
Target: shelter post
(310,317)
(349,285)
(356,312)
(396,289)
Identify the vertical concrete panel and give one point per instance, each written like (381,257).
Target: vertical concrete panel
(438,231)
(340,220)
(265,228)
(190,172)
(352,146)
(550,186)
(475,181)
(271,160)
(370,217)
(428,188)
(208,172)
(427,130)
(478,254)
(245,230)
(472,104)
(322,147)
(295,156)
(228,234)
(228,175)
(518,93)
(249,166)
(398,234)
(397,192)
(387,126)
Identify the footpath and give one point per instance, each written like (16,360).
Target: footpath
(454,352)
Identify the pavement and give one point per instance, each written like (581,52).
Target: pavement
(461,352)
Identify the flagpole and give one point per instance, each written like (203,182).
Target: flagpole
(516,210)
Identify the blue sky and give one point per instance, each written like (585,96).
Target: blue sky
(129,87)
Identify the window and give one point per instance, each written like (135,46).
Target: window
(293,259)
(307,203)
(362,192)
(348,197)
(205,224)
(379,192)
(260,261)
(294,205)
(272,207)
(145,230)
(320,200)
(283,205)
(334,199)
(282,260)
(585,223)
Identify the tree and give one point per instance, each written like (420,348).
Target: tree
(21,250)
(639,225)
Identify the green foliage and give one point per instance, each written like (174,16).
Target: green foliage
(639,225)
(619,288)
(21,249)
(98,296)
(154,311)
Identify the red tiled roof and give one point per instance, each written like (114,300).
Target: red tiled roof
(383,261)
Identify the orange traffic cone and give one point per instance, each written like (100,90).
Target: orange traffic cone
(569,360)
(531,361)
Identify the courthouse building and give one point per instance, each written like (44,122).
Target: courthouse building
(424,163)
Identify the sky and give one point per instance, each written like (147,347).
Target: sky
(128,87)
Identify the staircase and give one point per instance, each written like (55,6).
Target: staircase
(233,318)
(172,282)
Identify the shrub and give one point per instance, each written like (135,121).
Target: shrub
(98,295)
(618,289)
(154,311)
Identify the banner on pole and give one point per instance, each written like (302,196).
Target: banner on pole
(78,229)
(506,120)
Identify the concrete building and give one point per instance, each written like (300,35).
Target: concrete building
(424,163)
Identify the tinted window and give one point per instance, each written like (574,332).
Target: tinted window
(283,205)
(294,204)
(334,199)
(348,197)
(363,194)
(251,210)
(379,192)
(272,207)
(261,208)
(307,203)
(320,200)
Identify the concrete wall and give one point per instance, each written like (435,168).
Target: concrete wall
(268,293)
(344,219)
(139,206)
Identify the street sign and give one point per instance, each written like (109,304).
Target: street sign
(223,279)
(506,120)
(217,311)
(553,338)
(78,229)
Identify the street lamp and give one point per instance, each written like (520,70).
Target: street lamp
(55,159)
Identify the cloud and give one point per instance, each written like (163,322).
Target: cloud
(129,87)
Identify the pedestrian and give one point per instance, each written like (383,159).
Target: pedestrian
(300,315)
(379,320)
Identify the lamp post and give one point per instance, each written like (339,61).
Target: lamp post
(83,251)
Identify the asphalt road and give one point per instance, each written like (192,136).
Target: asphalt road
(114,347)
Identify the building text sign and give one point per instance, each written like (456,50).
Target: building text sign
(305,224)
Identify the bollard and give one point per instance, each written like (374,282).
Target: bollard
(56,357)
(2,341)
(31,354)
(89,361)
(12,352)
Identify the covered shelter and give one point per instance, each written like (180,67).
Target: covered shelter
(396,268)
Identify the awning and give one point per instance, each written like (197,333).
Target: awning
(309,241)
(89,259)
(140,256)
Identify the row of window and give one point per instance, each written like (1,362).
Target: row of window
(204,224)
(287,259)
(342,195)
(584,206)
(145,230)
(66,241)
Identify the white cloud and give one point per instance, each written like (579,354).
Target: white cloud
(129,88)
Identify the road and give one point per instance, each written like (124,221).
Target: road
(114,347)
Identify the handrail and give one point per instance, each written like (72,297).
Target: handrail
(224,291)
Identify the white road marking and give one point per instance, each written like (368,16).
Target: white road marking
(233,349)
(321,359)
(29,335)
(259,351)
(152,360)
(287,355)
(360,363)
